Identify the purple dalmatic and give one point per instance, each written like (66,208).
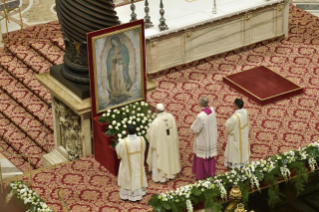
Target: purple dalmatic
(204,168)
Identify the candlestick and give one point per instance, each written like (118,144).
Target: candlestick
(133,15)
(162,26)
(147,18)
(214,8)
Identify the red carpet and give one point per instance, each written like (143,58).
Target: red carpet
(277,127)
(262,85)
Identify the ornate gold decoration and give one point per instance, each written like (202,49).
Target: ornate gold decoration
(280,8)
(153,44)
(240,208)
(235,196)
(71,133)
(64,205)
(77,48)
(188,34)
(247,18)
(20,155)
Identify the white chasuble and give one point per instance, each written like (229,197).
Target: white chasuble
(205,129)
(163,155)
(237,151)
(131,171)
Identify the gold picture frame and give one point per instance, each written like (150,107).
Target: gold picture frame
(117,66)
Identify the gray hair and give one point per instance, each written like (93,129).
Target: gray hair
(203,101)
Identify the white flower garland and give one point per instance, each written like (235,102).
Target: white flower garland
(222,189)
(285,172)
(254,182)
(248,172)
(28,196)
(312,163)
(189,206)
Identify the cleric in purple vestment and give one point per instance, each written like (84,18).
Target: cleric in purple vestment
(205,145)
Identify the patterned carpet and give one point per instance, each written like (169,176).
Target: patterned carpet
(23,100)
(274,128)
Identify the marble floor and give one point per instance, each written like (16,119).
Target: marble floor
(36,12)
(311,6)
(33,12)
(8,169)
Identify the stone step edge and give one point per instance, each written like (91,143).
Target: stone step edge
(54,42)
(10,73)
(35,71)
(39,145)
(7,142)
(20,104)
(43,55)
(11,150)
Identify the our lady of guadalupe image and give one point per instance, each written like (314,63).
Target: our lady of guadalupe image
(120,82)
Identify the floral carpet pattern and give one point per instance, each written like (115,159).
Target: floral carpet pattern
(24,101)
(274,128)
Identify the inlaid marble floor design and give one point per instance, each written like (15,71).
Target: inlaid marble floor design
(37,12)
(309,6)
(8,169)
(33,12)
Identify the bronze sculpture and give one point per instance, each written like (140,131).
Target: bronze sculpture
(77,18)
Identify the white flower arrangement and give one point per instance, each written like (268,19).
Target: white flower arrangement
(253,172)
(28,196)
(138,114)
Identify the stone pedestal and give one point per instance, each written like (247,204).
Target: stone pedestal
(72,123)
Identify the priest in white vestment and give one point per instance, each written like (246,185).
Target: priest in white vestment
(237,151)
(205,145)
(131,178)
(163,154)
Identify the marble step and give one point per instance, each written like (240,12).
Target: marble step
(25,53)
(23,74)
(17,161)
(48,50)
(26,122)
(19,141)
(25,98)
(58,42)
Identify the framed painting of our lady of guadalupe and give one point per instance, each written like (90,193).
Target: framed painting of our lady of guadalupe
(117,66)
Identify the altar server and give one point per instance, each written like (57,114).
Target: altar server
(205,145)
(237,151)
(131,178)
(163,155)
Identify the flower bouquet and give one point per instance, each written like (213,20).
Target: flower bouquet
(138,114)
(27,196)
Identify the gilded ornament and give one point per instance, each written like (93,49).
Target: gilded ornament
(235,196)
(240,208)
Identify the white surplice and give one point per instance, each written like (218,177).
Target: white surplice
(237,151)
(131,178)
(205,129)
(163,155)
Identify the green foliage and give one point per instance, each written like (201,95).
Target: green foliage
(301,177)
(244,188)
(267,172)
(313,152)
(274,195)
(259,174)
(211,196)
